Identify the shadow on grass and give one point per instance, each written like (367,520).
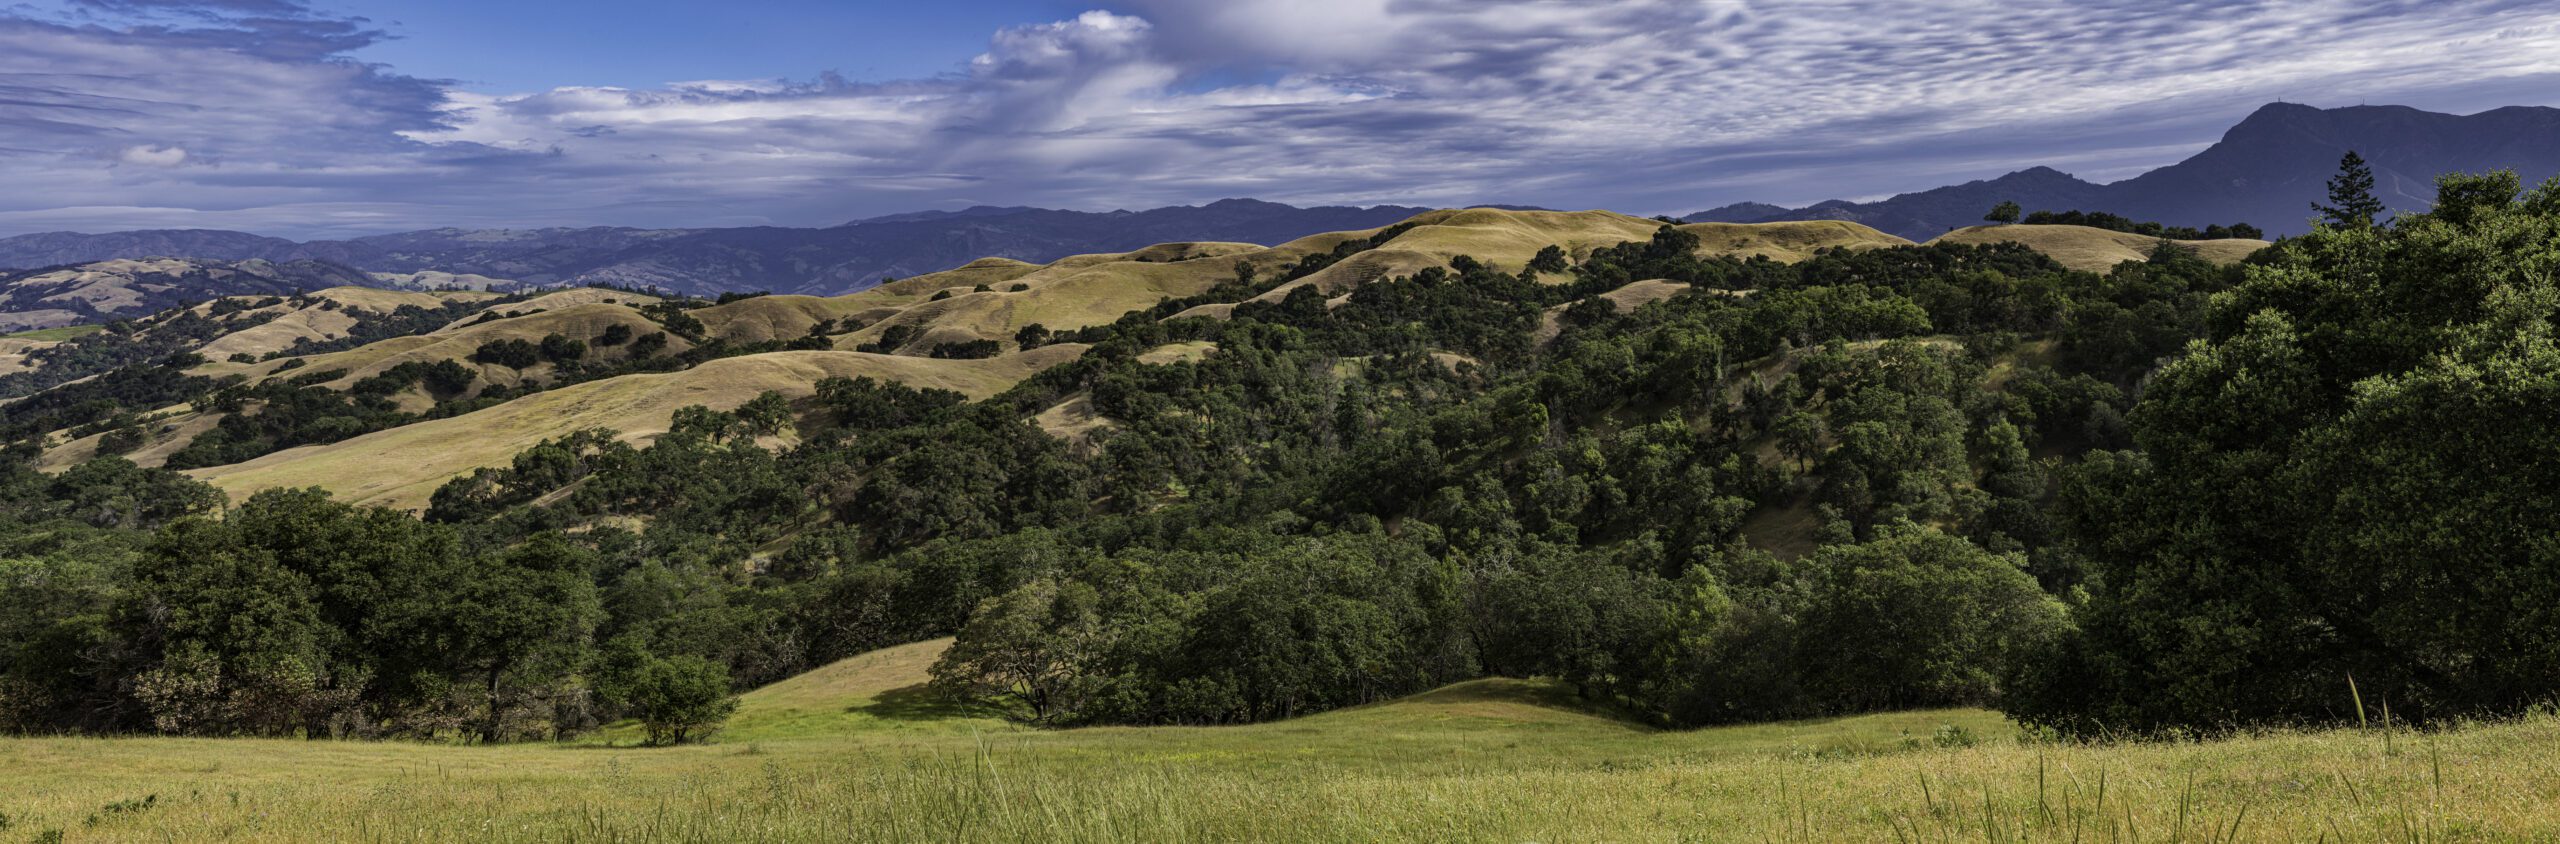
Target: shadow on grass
(920,702)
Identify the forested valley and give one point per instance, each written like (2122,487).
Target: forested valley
(2171,498)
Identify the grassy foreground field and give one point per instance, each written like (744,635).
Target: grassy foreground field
(856,753)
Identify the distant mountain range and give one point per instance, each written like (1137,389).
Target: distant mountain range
(2266,171)
(825,261)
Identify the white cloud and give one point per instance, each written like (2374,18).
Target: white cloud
(151,156)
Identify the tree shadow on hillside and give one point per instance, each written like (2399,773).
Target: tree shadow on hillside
(919,702)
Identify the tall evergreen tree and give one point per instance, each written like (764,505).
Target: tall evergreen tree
(2351,203)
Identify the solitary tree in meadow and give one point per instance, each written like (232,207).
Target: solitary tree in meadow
(2004,214)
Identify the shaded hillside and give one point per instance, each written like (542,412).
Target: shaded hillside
(2266,171)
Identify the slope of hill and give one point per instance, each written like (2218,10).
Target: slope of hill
(585,323)
(401,467)
(2097,250)
(117,289)
(2266,171)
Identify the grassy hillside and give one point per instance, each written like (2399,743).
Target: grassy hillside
(323,315)
(856,751)
(402,467)
(583,322)
(2097,250)
(14,349)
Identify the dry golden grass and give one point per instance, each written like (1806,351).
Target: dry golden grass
(2096,250)
(13,353)
(1074,420)
(1788,242)
(1188,351)
(561,300)
(858,751)
(402,467)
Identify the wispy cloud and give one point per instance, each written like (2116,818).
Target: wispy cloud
(249,113)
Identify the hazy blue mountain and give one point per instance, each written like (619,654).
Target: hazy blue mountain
(2266,171)
(1739,212)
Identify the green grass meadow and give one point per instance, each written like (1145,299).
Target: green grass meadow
(856,752)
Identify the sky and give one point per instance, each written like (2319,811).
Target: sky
(332,118)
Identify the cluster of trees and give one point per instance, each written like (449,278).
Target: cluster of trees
(2172,496)
(2347,476)
(130,607)
(2008,213)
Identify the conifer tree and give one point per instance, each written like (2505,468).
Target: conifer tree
(2351,203)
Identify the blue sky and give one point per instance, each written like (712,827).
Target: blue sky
(313,118)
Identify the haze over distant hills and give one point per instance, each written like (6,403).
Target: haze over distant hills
(825,261)
(2266,171)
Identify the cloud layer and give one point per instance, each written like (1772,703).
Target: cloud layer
(250,113)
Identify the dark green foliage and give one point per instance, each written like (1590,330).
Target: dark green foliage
(120,441)
(679,699)
(445,378)
(2347,478)
(890,340)
(2111,222)
(560,349)
(615,335)
(1032,336)
(866,404)
(2005,213)
(968,349)
(511,353)
(671,315)
(2351,201)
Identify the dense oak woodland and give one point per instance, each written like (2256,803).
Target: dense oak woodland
(2173,497)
